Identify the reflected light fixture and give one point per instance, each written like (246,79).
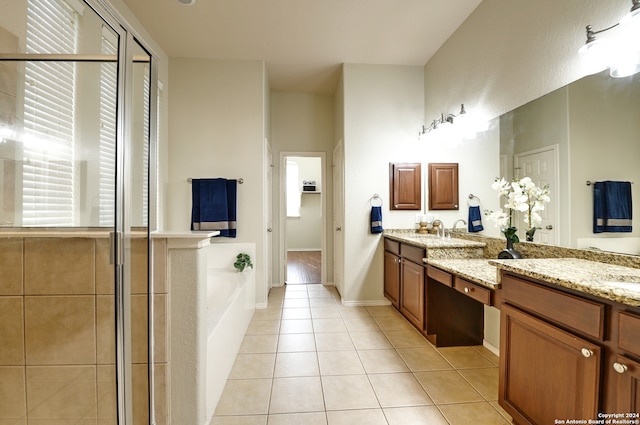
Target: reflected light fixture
(443,120)
(187,2)
(621,56)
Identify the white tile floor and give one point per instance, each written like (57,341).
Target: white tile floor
(308,360)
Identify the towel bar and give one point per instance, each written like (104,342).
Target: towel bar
(589,182)
(240,180)
(375,197)
(472,197)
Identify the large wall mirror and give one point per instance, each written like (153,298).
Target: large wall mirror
(587,131)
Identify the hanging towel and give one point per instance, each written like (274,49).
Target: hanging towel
(214,205)
(475,219)
(612,207)
(376,219)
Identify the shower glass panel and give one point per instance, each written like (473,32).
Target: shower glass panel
(74,208)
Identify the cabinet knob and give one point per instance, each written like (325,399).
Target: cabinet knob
(586,352)
(619,367)
(467,290)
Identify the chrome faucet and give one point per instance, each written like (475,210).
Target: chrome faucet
(456,224)
(437,225)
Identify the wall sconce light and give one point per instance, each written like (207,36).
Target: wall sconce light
(622,57)
(443,120)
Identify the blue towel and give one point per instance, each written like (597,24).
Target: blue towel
(612,207)
(214,205)
(376,219)
(475,219)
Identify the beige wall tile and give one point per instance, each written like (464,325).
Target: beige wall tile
(161,328)
(105,278)
(60,330)
(139,328)
(12,394)
(106,389)
(139,264)
(105,330)
(11,331)
(59,266)
(160,255)
(50,390)
(11,266)
(140,379)
(162,393)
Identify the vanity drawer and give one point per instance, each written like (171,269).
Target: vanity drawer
(628,331)
(578,313)
(412,253)
(440,276)
(392,246)
(472,290)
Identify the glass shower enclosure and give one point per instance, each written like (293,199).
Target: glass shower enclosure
(77,140)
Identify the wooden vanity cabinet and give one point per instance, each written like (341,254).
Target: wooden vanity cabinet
(405,186)
(404,280)
(392,272)
(565,355)
(443,186)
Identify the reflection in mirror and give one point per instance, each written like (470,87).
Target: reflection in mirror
(140,127)
(592,127)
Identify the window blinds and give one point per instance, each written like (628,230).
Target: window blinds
(48,168)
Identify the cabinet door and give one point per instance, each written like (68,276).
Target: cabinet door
(392,278)
(405,186)
(546,373)
(627,376)
(443,186)
(412,293)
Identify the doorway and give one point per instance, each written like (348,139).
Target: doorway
(302,221)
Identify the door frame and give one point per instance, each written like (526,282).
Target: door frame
(282,216)
(554,195)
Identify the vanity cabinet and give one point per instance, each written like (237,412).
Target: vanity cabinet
(565,354)
(392,272)
(405,186)
(443,186)
(404,280)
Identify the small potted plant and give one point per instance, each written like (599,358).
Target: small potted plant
(242,261)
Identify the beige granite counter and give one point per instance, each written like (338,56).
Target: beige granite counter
(477,270)
(609,281)
(438,247)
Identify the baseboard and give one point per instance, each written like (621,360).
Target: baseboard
(261,306)
(495,350)
(377,303)
(305,250)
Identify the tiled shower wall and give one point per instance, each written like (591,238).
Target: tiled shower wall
(57,348)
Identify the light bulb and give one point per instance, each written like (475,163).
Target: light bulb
(595,56)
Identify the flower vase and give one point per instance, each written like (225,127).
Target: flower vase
(509,252)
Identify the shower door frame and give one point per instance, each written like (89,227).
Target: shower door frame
(122,230)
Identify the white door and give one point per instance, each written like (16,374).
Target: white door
(542,166)
(338,216)
(267,193)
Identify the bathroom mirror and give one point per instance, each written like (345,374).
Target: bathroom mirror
(594,128)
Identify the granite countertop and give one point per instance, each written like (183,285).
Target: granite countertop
(612,282)
(476,270)
(430,241)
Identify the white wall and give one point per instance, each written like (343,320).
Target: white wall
(383,109)
(217,129)
(508,53)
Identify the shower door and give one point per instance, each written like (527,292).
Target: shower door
(77,121)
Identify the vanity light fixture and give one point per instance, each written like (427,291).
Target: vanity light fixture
(443,120)
(622,57)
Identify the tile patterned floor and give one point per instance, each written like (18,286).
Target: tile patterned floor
(309,360)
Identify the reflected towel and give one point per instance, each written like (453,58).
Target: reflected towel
(376,219)
(214,205)
(475,219)
(612,207)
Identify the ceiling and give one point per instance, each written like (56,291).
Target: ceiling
(304,42)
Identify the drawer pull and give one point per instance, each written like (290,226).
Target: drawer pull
(467,290)
(619,367)
(586,352)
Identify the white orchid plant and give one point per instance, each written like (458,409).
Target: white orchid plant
(522,195)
